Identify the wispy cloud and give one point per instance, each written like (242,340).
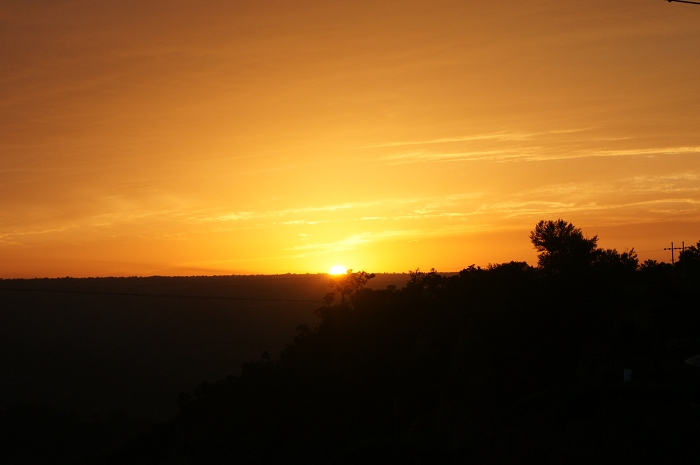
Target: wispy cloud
(355,241)
(13,238)
(636,152)
(248,215)
(493,136)
(349,243)
(432,156)
(499,136)
(363,208)
(525,153)
(302,222)
(231,217)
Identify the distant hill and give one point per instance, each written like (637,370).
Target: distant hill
(133,344)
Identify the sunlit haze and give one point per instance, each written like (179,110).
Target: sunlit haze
(337,269)
(218,137)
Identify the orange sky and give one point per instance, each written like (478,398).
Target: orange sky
(218,137)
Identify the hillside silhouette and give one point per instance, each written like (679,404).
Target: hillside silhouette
(580,359)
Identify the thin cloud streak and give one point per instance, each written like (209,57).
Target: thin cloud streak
(527,154)
(10,238)
(498,136)
(382,203)
(363,239)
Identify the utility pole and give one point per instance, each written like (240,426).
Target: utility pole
(673,262)
(672,249)
(673,267)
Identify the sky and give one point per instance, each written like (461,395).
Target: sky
(261,137)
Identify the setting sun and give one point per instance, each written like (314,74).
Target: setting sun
(337,269)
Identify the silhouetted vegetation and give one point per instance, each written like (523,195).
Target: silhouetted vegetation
(508,363)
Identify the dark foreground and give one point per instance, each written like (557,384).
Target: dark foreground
(129,346)
(505,364)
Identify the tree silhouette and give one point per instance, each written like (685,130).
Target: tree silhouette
(429,283)
(610,263)
(485,356)
(689,259)
(347,285)
(562,247)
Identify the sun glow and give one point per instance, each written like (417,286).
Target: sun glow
(337,269)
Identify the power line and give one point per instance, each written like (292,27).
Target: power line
(171,346)
(673,263)
(672,249)
(174,296)
(684,1)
